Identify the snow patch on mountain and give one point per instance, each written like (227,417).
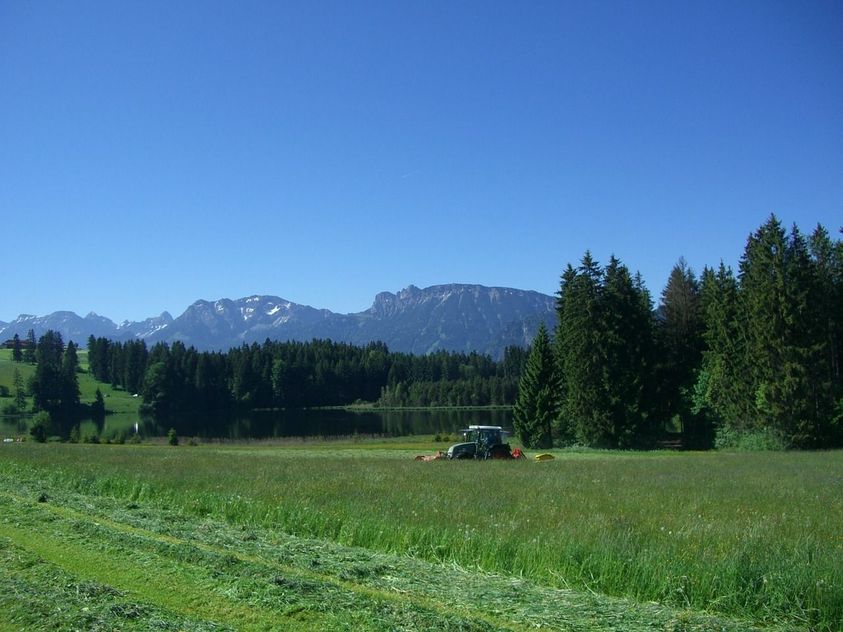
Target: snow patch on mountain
(154,330)
(452,317)
(275,310)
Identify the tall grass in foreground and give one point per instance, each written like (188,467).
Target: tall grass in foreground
(751,535)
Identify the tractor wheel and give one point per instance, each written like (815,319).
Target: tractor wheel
(499,452)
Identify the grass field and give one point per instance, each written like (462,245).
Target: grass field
(359,536)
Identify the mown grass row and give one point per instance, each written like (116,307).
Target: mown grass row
(206,574)
(188,584)
(750,536)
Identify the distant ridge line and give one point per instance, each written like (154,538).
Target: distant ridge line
(451,317)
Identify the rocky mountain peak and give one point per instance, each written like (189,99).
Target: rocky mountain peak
(454,317)
(409,293)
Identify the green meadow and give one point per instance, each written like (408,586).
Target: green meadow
(358,535)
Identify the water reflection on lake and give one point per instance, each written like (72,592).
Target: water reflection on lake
(113,424)
(331,423)
(290,423)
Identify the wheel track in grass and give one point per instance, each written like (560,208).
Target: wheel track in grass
(190,546)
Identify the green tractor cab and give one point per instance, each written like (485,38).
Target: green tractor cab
(481,442)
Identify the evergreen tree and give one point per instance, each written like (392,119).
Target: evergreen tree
(20,393)
(70,380)
(17,353)
(784,330)
(47,385)
(134,365)
(98,408)
(680,342)
(29,349)
(771,345)
(681,323)
(99,352)
(827,260)
(158,386)
(628,355)
(537,406)
(605,354)
(763,285)
(209,383)
(245,378)
(722,392)
(116,362)
(564,430)
(582,354)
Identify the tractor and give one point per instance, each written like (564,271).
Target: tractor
(481,442)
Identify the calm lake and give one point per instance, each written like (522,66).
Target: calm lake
(295,423)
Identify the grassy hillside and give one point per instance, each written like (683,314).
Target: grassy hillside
(7,372)
(116,401)
(296,537)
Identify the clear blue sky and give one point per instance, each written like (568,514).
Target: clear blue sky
(155,153)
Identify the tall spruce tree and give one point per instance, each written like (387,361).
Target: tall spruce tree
(537,407)
(159,389)
(564,430)
(20,393)
(134,366)
(827,259)
(47,386)
(99,358)
(582,353)
(763,284)
(17,353)
(70,381)
(628,340)
(786,346)
(680,342)
(722,392)
(29,348)
(769,363)
(604,352)
(681,323)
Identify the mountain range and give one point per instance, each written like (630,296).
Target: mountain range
(454,317)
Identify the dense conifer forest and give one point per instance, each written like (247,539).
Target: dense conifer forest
(174,379)
(751,359)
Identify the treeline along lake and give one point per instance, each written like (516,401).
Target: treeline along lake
(274,389)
